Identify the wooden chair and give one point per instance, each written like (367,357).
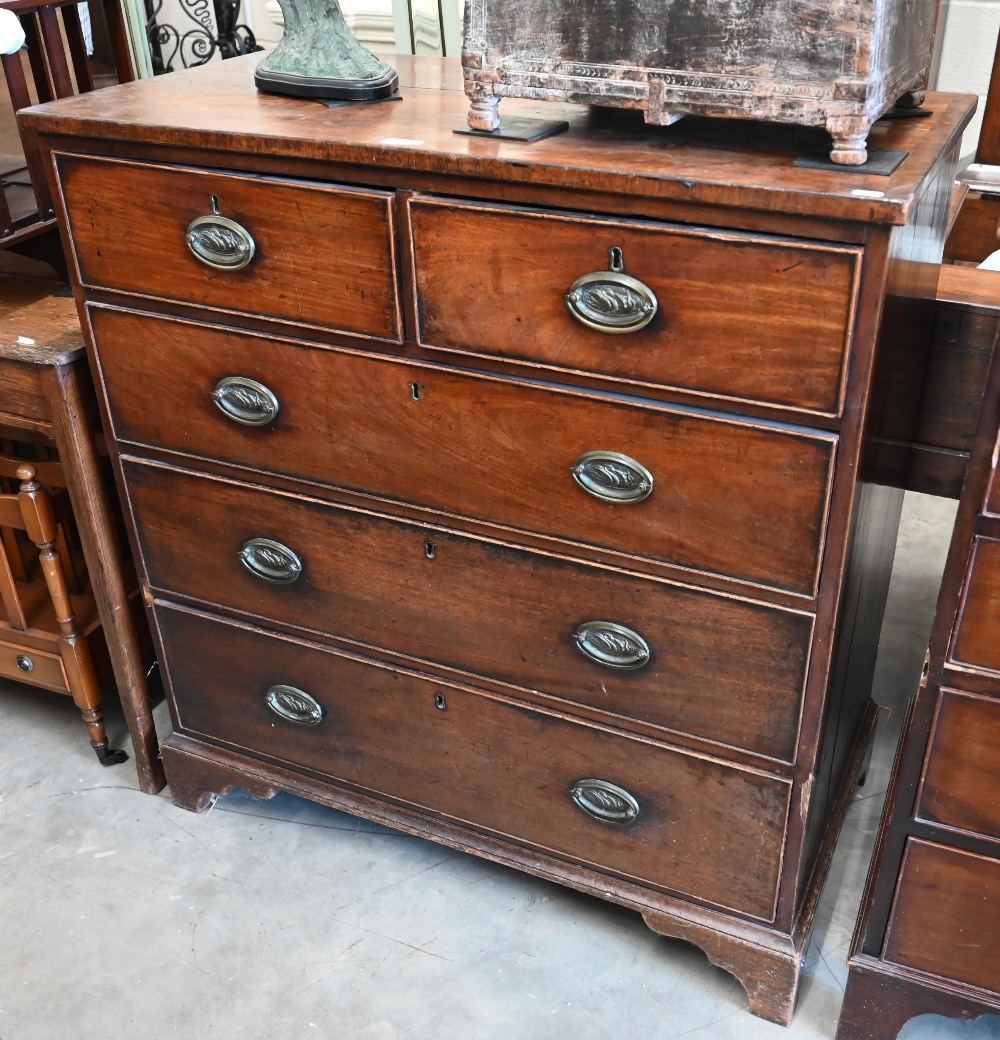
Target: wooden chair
(41,612)
(53,64)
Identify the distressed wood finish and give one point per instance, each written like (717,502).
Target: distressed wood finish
(739,316)
(928,935)
(485,448)
(758,526)
(484,607)
(835,65)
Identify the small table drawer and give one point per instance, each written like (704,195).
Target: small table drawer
(321,255)
(21,392)
(976,642)
(526,619)
(699,490)
(676,821)
(737,316)
(34,666)
(946,914)
(961,782)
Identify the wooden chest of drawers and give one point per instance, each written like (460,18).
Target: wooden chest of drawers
(928,938)
(508,495)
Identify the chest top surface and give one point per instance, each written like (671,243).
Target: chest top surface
(216,108)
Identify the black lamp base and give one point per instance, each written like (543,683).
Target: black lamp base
(326,87)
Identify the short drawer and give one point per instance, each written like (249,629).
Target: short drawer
(946,914)
(637,809)
(961,781)
(21,391)
(33,666)
(321,255)
(745,317)
(975,642)
(703,491)
(725,669)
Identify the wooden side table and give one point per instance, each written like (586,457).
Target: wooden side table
(47,391)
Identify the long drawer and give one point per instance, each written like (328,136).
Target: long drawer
(736,315)
(976,641)
(309,252)
(961,780)
(626,645)
(704,491)
(946,914)
(673,820)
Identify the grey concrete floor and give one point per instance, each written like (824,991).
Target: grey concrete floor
(121,915)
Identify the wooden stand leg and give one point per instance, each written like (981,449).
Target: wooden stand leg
(484,113)
(71,429)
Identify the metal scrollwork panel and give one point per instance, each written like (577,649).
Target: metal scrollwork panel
(605,802)
(270,561)
(611,645)
(294,705)
(613,477)
(245,401)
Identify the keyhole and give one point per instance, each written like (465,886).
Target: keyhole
(430,550)
(215,205)
(439,702)
(617,260)
(415,391)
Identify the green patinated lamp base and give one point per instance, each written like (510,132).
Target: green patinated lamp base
(327,88)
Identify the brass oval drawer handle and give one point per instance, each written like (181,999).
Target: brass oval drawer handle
(245,401)
(605,802)
(612,301)
(270,561)
(611,645)
(294,705)
(219,242)
(613,477)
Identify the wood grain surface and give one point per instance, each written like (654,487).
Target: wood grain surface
(975,642)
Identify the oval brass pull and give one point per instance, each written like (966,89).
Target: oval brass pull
(605,801)
(611,645)
(613,477)
(270,561)
(245,401)
(294,705)
(612,301)
(219,242)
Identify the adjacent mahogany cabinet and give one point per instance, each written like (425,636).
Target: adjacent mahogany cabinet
(928,938)
(511,495)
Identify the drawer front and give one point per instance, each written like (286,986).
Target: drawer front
(33,666)
(976,640)
(961,782)
(737,316)
(322,256)
(993,492)
(703,829)
(946,914)
(520,617)
(21,391)
(728,497)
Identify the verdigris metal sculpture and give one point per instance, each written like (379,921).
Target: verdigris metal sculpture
(320,57)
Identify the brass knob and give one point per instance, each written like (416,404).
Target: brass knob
(270,561)
(612,301)
(245,401)
(294,705)
(611,645)
(613,477)
(219,242)
(605,802)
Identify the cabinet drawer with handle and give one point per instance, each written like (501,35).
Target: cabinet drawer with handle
(726,314)
(703,491)
(290,250)
(641,809)
(629,646)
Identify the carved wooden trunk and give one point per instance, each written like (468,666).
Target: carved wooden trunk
(838,64)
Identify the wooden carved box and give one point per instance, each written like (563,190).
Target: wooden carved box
(838,64)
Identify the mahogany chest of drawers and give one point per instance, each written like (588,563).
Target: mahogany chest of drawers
(928,938)
(508,495)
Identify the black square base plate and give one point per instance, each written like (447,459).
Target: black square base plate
(518,129)
(881,162)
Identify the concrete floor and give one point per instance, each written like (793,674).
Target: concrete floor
(121,915)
